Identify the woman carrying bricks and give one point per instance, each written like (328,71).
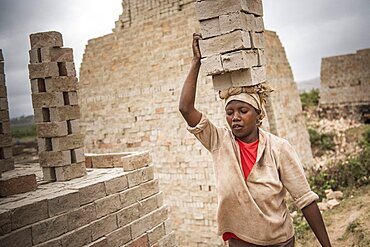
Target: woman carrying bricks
(253,168)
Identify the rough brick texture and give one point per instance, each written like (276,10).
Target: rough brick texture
(147,59)
(345,86)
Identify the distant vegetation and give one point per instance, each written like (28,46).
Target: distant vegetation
(310,99)
(23,127)
(321,142)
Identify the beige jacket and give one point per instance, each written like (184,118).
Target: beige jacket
(255,209)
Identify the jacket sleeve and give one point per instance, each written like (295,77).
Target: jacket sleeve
(293,177)
(207,133)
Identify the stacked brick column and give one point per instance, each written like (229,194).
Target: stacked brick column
(6,154)
(54,97)
(233,42)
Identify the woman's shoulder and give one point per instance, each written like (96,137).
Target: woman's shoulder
(272,138)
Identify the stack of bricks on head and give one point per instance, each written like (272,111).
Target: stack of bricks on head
(232,47)
(54,97)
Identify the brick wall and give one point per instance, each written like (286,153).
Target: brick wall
(345,86)
(107,207)
(130,82)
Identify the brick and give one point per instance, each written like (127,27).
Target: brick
(6,165)
(130,196)
(49,229)
(107,205)
(168,226)
(258,40)
(72,141)
(50,54)
(5,222)
(66,69)
(90,192)
(1,55)
(261,57)
(21,237)
(2,68)
(46,39)
(78,154)
(4,114)
(69,172)
(3,91)
(239,60)
(141,241)
(248,77)
(127,215)
(81,216)
(210,9)
(16,185)
(5,139)
(78,237)
(74,126)
(107,160)
(55,158)
(148,205)
(210,28)
(255,7)
(61,84)
(43,70)
(236,21)
(103,226)
(168,241)
(119,237)
(40,100)
(140,176)
(259,26)
(115,185)
(101,242)
(56,129)
(62,202)
(2,79)
(4,104)
(212,65)
(135,161)
(148,222)
(7,152)
(48,173)
(5,127)
(155,234)
(63,113)
(72,98)
(149,188)
(225,43)
(222,81)
(51,243)
(35,55)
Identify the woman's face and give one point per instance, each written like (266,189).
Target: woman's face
(242,119)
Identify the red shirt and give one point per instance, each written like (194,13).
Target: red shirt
(248,156)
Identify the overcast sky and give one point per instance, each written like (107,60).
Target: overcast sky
(308,29)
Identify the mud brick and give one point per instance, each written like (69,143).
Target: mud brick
(103,226)
(236,21)
(4,114)
(64,201)
(168,226)
(258,40)
(149,204)
(248,77)
(155,234)
(7,152)
(222,81)
(141,241)
(78,155)
(90,192)
(259,75)
(46,39)
(239,60)
(255,7)
(74,126)
(261,57)
(212,65)
(140,176)
(38,85)
(70,98)
(81,216)
(5,139)
(2,79)
(115,185)
(1,68)
(56,129)
(64,113)
(210,28)
(40,100)
(210,9)
(101,242)
(43,70)
(50,54)
(1,55)
(21,237)
(41,115)
(3,93)
(149,188)
(27,212)
(16,185)
(5,222)
(168,240)
(69,172)
(259,26)
(119,237)
(68,142)
(45,144)
(78,237)
(35,55)
(127,215)
(130,196)
(136,161)
(6,165)
(225,43)
(61,84)
(148,222)
(4,127)
(4,104)
(49,229)
(105,160)
(66,69)
(49,173)
(107,205)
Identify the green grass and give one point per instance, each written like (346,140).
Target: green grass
(21,132)
(310,99)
